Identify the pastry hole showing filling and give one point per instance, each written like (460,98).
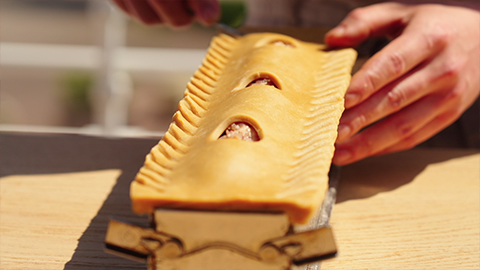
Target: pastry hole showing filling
(240,131)
(282,43)
(262,81)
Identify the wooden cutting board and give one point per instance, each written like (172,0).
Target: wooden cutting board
(418,209)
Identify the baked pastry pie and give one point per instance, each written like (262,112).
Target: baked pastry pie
(254,132)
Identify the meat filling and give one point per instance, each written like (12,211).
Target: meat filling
(261,81)
(240,131)
(282,43)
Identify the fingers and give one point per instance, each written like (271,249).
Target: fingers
(420,81)
(385,133)
(417,43)
(414,46)
(207,11)
(414,87)
(175,13)
(362,23)
(141,10)
(406,128)
(406,106)
(424,133)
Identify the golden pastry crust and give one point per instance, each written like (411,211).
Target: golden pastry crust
(295,109)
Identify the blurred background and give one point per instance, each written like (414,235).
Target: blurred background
(82,66)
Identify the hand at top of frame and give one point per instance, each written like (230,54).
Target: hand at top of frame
(417,85)
(174,13)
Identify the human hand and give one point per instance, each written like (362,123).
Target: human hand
(175,13)
(417,85)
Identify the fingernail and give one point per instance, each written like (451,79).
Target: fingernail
(209,11)
(341,156)
(351,99)
(337,31)
(343,132)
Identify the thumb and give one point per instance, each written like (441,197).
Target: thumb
(372,21)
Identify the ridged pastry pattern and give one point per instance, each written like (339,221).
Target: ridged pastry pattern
(309,163)
(163,156)
(296,118)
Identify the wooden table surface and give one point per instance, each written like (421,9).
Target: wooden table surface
(418,209)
